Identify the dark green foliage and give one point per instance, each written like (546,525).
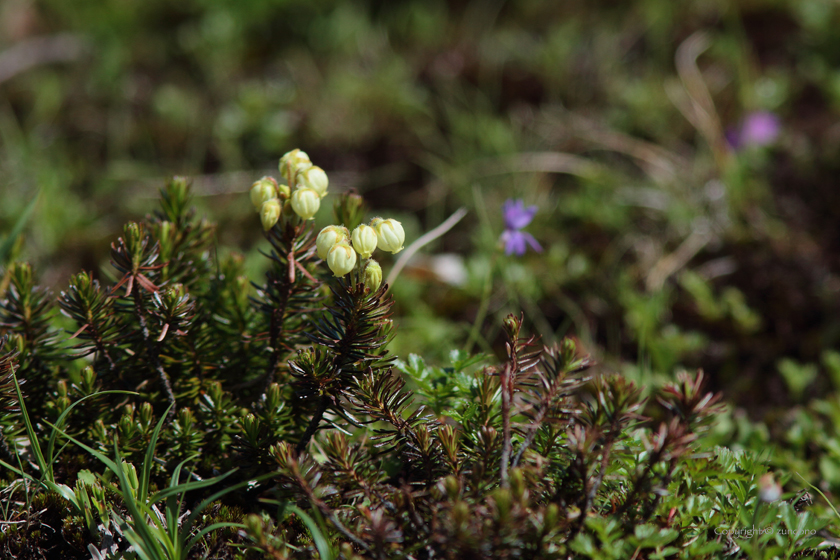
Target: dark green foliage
(26,313)
(290,294)
(8,395)
(350,341)
(8,398)
(184,241)
(93,309)
(233,318)
(44,527)
(333,447)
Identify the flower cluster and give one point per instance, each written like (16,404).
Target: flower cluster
(309,183)
(339,247)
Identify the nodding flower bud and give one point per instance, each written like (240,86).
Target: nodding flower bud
(364,240)
(270,213)
(341,258)
(316,179)
(283,192)
(350,209)
(293,163)
(328,237)
(389,233)
(262,190)
(305,202)
(373,275)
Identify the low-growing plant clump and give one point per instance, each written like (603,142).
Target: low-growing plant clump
(188,413)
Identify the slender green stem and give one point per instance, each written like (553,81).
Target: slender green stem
(483,306)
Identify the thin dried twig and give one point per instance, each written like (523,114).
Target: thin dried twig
(525,162)
(421,242)
(65,47)
(536,162)
(671,263)
(694,100)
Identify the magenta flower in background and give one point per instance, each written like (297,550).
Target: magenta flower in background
(758,128)
(516,217)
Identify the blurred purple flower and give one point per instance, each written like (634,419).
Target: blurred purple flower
(758,128)
(516,217)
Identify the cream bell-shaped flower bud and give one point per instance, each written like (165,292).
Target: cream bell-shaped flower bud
(262,190)
(283,192)
(328,237)
(364,240)
(293,163)
(315,178)
(389,233)
(305,202)
(270,213)
(341,258)
(373,275)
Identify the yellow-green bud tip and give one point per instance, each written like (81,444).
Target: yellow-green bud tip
(389,233)
(373,275)
(341,258)
(270,213)
(364,240)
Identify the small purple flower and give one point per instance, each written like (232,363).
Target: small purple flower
(516,217)
(758,128)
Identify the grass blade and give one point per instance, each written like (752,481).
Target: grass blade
(186,487)
(60,422)
(143,490)
(30,431)
(820,492)
(210,529)
(321,542)
(149,541)
(7,244)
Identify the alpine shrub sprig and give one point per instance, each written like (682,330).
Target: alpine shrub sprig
(27,314)
(93,309)
(242,420)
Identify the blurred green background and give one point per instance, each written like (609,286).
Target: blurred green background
(665,246)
